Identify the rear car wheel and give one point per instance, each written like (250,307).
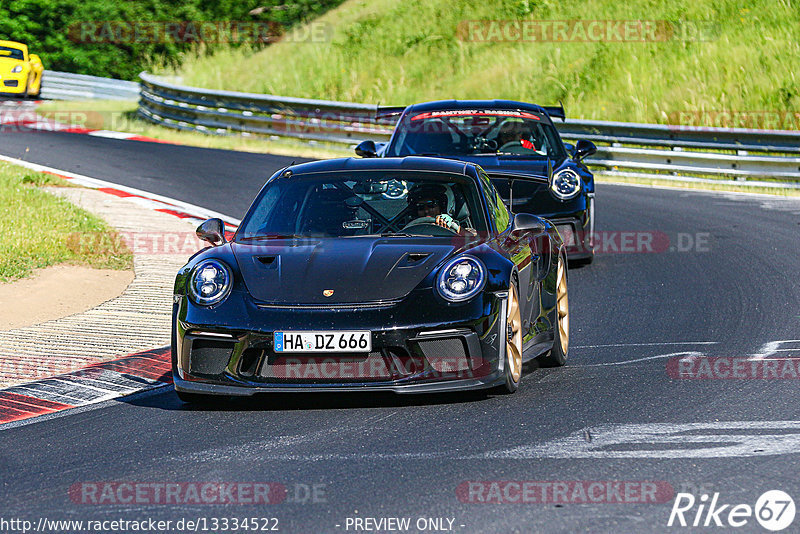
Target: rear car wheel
(558,354)
(513,357)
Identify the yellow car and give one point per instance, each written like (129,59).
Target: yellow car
(20,72)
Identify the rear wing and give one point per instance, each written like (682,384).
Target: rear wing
(556,112)
(384,112)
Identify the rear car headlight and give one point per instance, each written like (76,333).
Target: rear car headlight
(17,69)
(461,278)
(210,282)
(566,184)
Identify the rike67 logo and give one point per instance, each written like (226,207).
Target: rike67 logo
(774,510)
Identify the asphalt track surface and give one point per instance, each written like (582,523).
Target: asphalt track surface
(611,414)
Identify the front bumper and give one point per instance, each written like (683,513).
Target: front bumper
(12,85)
(577,231)
(445,349)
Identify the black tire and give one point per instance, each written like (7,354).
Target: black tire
(558,354)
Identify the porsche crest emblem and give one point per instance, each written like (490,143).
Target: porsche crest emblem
(327,292)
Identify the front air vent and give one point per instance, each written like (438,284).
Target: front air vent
(209,356)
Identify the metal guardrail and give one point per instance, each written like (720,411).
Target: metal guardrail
(664,151)
(67,86)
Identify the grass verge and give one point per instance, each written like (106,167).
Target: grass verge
(713,56)
(39,229)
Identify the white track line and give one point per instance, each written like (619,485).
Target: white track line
(647,344)
(689,354)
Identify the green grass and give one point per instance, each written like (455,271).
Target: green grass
(394,53)
(39,229)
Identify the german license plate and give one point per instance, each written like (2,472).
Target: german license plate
(354,341)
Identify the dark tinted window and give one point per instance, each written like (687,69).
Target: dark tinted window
(13,53)
(475,132)
(497,209)
(343,204)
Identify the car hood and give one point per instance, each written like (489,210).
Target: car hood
(360,269)
(7,63)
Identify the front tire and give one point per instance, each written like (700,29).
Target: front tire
(558,354)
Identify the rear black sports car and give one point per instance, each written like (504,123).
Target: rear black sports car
(404,274)
(518,146)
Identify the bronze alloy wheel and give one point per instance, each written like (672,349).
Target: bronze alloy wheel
(562,305)
(514,335)
(557,356)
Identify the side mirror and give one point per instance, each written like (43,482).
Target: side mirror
(525,222)
(583,149)
(213,231)
(367,149)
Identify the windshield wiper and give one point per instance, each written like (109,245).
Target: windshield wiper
(270,236)
(396,234)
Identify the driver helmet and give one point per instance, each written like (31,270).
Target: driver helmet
(513,130)
(421,194)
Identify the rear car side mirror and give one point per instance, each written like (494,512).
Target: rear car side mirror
(583,149)
(525,222)
(367,149)
(212,231)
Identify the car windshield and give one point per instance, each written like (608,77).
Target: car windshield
(13,53)
(346,204)
(475,133)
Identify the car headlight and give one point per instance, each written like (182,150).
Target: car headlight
(566,184)
(17,69)
(210,282)
(461,278)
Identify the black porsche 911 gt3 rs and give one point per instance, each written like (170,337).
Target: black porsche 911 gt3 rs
(401,274)
(517,145)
